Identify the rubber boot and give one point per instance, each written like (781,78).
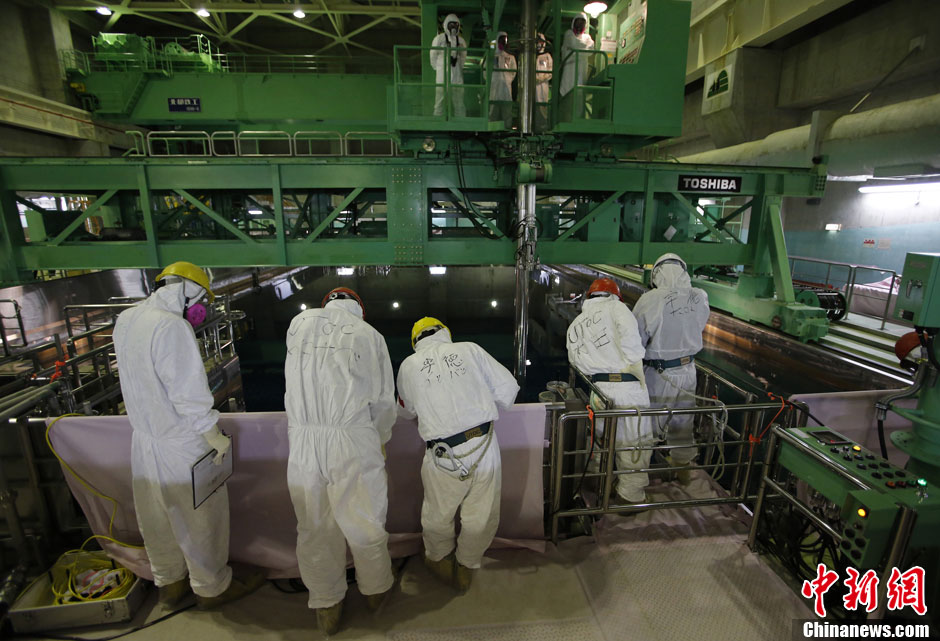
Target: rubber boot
(463,576)
(172,594)
(683,476)
(443,569)
(375,601)
(240,586)
(328,618)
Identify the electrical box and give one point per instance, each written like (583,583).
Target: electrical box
(919,296)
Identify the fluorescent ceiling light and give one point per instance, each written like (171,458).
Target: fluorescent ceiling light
(202,12)
(299,14)
(437,270)
(103,11)
(438,210)
(345,271)
(833,227)
(303,306)
(595,9)
(395,304)
(493,303)
(255,212)
(528,362)
(899,188)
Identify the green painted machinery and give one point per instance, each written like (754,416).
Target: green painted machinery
(267,160)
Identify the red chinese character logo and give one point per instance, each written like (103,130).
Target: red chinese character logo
(907,588)
(824,580)
(861,592)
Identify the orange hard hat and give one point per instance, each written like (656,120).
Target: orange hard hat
(605,285)
(340,293)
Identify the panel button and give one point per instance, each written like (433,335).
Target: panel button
(888,474)
(849,532)
(876,475)
(900,474)
(889,483)
(856,554)
(858,457)
(845,544)
(901,483)
(860,542)
(884,464)
(834,449)
(857,525)
(847,457)
(869,456)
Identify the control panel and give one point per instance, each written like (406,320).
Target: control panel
(919,294)
(863,516)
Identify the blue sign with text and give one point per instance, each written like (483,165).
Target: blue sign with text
(185,104)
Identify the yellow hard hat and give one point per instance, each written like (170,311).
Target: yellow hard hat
(188,271)
(423,325)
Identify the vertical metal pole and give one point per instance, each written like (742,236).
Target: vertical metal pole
(525,197)
(884,317)
(899,542)
(558,461)
(527,67)
(32,472)
(768,460)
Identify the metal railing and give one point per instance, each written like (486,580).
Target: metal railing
(753,417)
(255,144)
(417,100)
(585,102)
(10,340)
(848,283)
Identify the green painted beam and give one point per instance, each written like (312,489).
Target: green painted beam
(89,210)
(702,219)
(333,215)
(208,211)
(476,212)
(591,215)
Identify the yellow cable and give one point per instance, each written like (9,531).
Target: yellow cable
(88,486)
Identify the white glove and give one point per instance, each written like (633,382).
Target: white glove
(218,442)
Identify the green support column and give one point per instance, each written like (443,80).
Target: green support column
(146,211)
(11,237)
(279,214)
(406,196)
(779,265)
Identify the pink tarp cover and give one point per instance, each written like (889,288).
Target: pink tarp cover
(264,529)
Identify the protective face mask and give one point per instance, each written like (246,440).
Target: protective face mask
(452,28)
(196,314)
(578,28)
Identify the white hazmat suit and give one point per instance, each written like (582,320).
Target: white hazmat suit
(504,72)
(453,387)
(671,319)
(340,403)
(574,71)
(452,60)
(169,406)
(604,339)
(543,82)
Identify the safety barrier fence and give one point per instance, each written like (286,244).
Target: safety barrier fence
(845,278)
(10,311)
(267,143)
(584,101)
(752,414)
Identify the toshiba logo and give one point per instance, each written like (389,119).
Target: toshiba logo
(710,183)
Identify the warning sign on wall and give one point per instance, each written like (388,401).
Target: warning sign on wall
(869,242)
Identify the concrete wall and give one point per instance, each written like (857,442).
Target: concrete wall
(30,38)
(897,223)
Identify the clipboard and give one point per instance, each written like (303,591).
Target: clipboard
(209,477)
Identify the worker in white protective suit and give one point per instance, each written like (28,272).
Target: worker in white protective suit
(504,72)
(671,318)
(543,81)
(448,55)
(456,390)
(604,344)
(169,406)
(575,65)
(340,403)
